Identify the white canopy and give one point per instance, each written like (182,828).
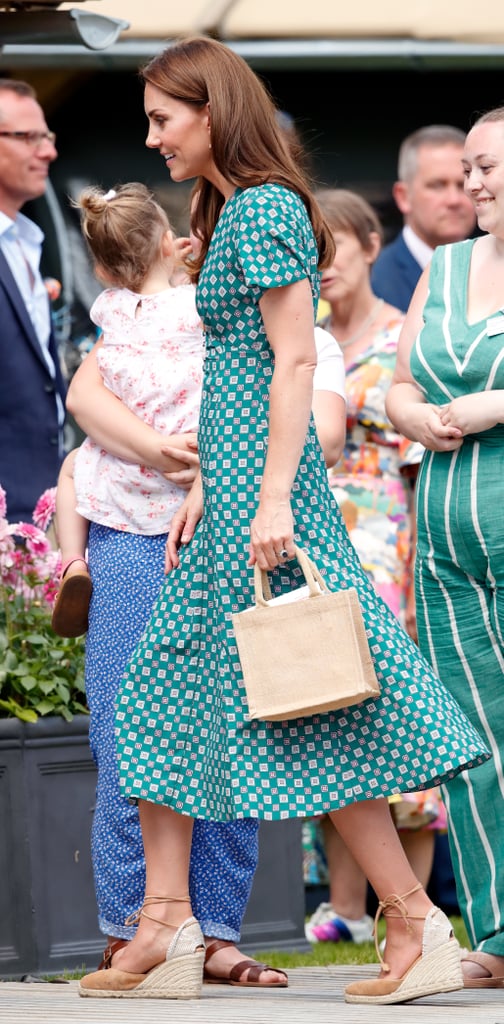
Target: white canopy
(456,20)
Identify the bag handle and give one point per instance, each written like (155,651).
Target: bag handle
(311,574)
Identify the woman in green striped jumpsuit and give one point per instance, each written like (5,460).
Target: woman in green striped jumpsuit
(448,393)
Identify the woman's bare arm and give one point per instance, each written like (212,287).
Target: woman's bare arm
(288,319)
(406,405)
(116,428)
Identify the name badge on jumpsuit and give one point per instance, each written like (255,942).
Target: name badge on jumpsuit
(495,325)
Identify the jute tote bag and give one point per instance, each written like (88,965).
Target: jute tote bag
(304,652)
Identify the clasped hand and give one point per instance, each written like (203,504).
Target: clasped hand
(428,428)
(470,414)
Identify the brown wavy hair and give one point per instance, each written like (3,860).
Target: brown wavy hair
(249,146)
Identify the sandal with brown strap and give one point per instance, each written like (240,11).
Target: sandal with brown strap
(489,962)
(71,607)
(109,951)
(254,968)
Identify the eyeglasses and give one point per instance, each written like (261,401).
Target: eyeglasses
(33,139)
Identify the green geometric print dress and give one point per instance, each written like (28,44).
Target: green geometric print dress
(183,731)
(460,580)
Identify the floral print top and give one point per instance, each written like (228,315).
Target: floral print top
(152,359)
(368,480)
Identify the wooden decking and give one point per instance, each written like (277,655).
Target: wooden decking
(314,996)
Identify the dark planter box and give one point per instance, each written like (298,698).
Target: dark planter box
(47,784)
(48,920)
(276,909)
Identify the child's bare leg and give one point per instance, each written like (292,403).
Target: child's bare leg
(71,607)
(71,528)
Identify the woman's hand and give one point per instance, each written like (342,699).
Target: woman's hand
(471,414)
(271,532)
(426,426)
(184,523)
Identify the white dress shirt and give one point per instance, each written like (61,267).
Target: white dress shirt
(418,249)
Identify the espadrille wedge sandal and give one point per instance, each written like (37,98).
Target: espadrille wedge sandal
(179,976)
(437,969)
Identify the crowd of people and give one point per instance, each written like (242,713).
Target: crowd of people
(223,428)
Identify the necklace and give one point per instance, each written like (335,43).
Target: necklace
(363,327)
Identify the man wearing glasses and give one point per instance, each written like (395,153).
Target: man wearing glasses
(32,389)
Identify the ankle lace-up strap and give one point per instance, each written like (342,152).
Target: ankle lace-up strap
(394,902)
(149,901)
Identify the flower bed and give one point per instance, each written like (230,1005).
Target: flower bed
(40,673)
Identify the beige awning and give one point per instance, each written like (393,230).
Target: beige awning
(455,20)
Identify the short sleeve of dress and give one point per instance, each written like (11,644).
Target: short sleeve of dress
(98,308)
(274,237)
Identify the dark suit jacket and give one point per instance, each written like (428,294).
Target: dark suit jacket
(31,441)
(395,274)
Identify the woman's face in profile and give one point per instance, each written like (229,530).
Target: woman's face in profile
(483,167)
(181,132)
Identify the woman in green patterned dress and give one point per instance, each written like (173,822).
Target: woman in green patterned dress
(187,747)
(448,393)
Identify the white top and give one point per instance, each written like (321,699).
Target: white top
(152,359)
(330,370)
